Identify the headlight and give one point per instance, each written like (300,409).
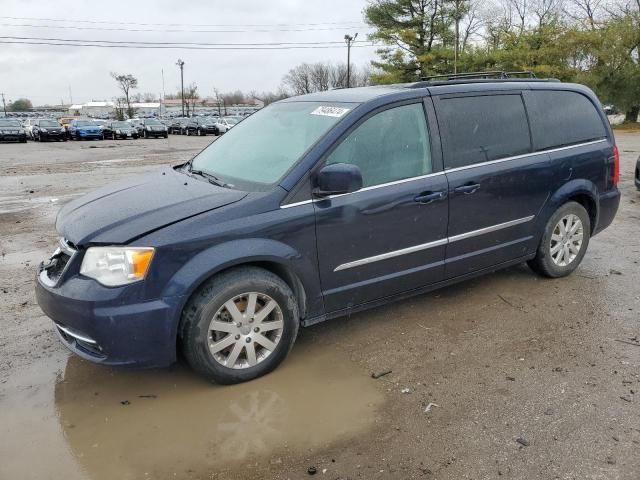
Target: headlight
(43,129)
(115,266)
(149,128)
(21,131)
(118,132)
(101,127)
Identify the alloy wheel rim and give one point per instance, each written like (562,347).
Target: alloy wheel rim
(245,330)
(566,240)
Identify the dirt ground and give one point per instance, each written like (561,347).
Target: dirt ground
(527,377)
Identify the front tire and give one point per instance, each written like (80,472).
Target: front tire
(239,325)
(564,242)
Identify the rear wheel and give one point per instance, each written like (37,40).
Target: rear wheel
(564,242)
(240,325)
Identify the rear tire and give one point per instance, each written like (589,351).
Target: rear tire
(562,249)
(207,324)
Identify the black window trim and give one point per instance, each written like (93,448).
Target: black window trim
(486,93)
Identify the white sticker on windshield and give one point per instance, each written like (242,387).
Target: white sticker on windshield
(330,111)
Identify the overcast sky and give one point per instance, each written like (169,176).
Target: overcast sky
(45,73)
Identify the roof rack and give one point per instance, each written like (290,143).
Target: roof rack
(497,74)
(478,77)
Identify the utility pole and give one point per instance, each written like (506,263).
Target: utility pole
(181,65)
(4,105)
(70,96)
(349,40)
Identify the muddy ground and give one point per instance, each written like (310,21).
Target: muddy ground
(553,363)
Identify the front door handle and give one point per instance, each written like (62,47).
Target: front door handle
(467,188)
(428,197)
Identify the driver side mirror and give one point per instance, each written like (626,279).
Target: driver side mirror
(337,178)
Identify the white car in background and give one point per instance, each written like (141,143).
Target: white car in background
(225,124)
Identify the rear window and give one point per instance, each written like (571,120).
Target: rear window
(478,129)
(560,118)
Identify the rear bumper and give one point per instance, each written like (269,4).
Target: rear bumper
(93,323)
(609,203)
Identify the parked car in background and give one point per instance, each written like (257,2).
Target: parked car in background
(42,130)
(226,123)
(121,130)
(103,124)
(152,127)
(637,174)
(201,126)
(176,124)
(28,124)
(137,124)
(84,130)
(64,123)
(12,130)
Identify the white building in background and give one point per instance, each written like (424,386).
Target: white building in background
(75,110)
(93,109)
(147,109)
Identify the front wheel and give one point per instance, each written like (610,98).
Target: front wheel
(239,325)
(564,242)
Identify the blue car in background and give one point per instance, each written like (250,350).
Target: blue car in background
(323,205)
(85,129)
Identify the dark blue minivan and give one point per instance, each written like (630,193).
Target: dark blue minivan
(326,204)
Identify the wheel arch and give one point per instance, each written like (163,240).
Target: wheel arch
(276,258)
(581,191)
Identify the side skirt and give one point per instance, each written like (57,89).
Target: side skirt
(411,293)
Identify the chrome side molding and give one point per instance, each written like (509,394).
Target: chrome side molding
(436,243)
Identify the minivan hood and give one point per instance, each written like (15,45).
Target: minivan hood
(121,212)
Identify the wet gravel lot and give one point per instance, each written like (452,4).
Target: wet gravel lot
(505,376)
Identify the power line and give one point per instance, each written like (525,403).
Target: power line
(178,47)
(136,42)
(114,29)
(107,22)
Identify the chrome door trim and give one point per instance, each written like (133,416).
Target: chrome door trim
(492,228)
(436,243)
(395,253)
(524,155)
(365,189)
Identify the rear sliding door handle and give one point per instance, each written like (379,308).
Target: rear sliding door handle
(428,197)
(467,189)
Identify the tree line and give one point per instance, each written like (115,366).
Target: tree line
(593,42)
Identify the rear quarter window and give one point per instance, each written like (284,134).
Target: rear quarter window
(482,128)
(560,118)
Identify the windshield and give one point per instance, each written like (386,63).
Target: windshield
(120,125)
(230,121)
(85,123)
(261,149)
(48,123)
(152,122)
(10,123)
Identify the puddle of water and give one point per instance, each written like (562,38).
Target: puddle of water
(174,422)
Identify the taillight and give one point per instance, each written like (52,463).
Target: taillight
(616,165)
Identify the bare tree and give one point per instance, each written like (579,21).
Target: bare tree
(299,79)
(320,76)
(126,82)
(191,98)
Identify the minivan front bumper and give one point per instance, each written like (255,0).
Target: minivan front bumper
(107,331)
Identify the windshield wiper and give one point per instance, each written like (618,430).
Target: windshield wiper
(211,178)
